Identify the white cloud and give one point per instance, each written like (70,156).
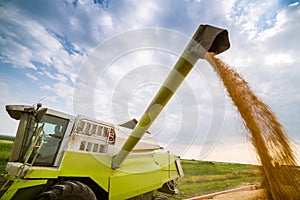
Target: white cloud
(106,20)
(281,20)
(62,98)
(136,14)
(17,55)
(45,87)
(4,90)
(253,16)
(64,91)
(37,45)
(31,76)
(9,125)
(293,4)
(57,77)
(278,59)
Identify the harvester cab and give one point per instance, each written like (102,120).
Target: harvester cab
(39,136)
(59,156)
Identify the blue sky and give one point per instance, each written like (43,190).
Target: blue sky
(47,48)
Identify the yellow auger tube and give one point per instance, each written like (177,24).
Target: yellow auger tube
(206,38)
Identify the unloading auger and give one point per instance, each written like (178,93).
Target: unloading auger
(206,39)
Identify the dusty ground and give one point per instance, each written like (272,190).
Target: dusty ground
(287,192)
(244,195)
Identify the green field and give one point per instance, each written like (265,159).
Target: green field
(5,148)
(201,177)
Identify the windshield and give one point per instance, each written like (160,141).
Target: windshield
(48,143)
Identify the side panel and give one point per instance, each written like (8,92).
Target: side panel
(77,164)
(25,185)
(84,164)
(141,175)
(137,175)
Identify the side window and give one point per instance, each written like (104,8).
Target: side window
(95,148)
(105,131)
(99,131)
(54,130)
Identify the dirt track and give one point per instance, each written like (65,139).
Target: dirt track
(244,195)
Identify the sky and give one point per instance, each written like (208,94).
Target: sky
(106,59)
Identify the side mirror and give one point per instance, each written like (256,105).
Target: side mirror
(40,115)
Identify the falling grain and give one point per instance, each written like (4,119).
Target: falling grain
(266,134)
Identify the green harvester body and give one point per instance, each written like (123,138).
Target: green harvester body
(59,156)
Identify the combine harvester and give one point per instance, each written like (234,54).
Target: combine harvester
(60,156)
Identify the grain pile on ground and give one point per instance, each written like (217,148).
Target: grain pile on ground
(266,134)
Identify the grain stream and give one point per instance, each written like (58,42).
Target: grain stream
(266,134)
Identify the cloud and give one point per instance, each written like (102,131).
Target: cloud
(28,42)
(4,90)
(278,59)
(8,124)
(293,4)
(279,25)
(31,77)
(57,77)
(213,12)
(133,14)
(253,17)
(24,41)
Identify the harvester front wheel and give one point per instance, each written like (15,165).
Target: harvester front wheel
(68,190)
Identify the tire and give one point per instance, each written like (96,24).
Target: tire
(68,190)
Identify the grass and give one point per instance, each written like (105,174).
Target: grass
(5,147)
(200,178)
(203,177)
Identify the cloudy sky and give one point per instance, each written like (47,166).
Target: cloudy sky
(106,59)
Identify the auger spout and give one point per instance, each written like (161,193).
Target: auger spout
(206,39)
